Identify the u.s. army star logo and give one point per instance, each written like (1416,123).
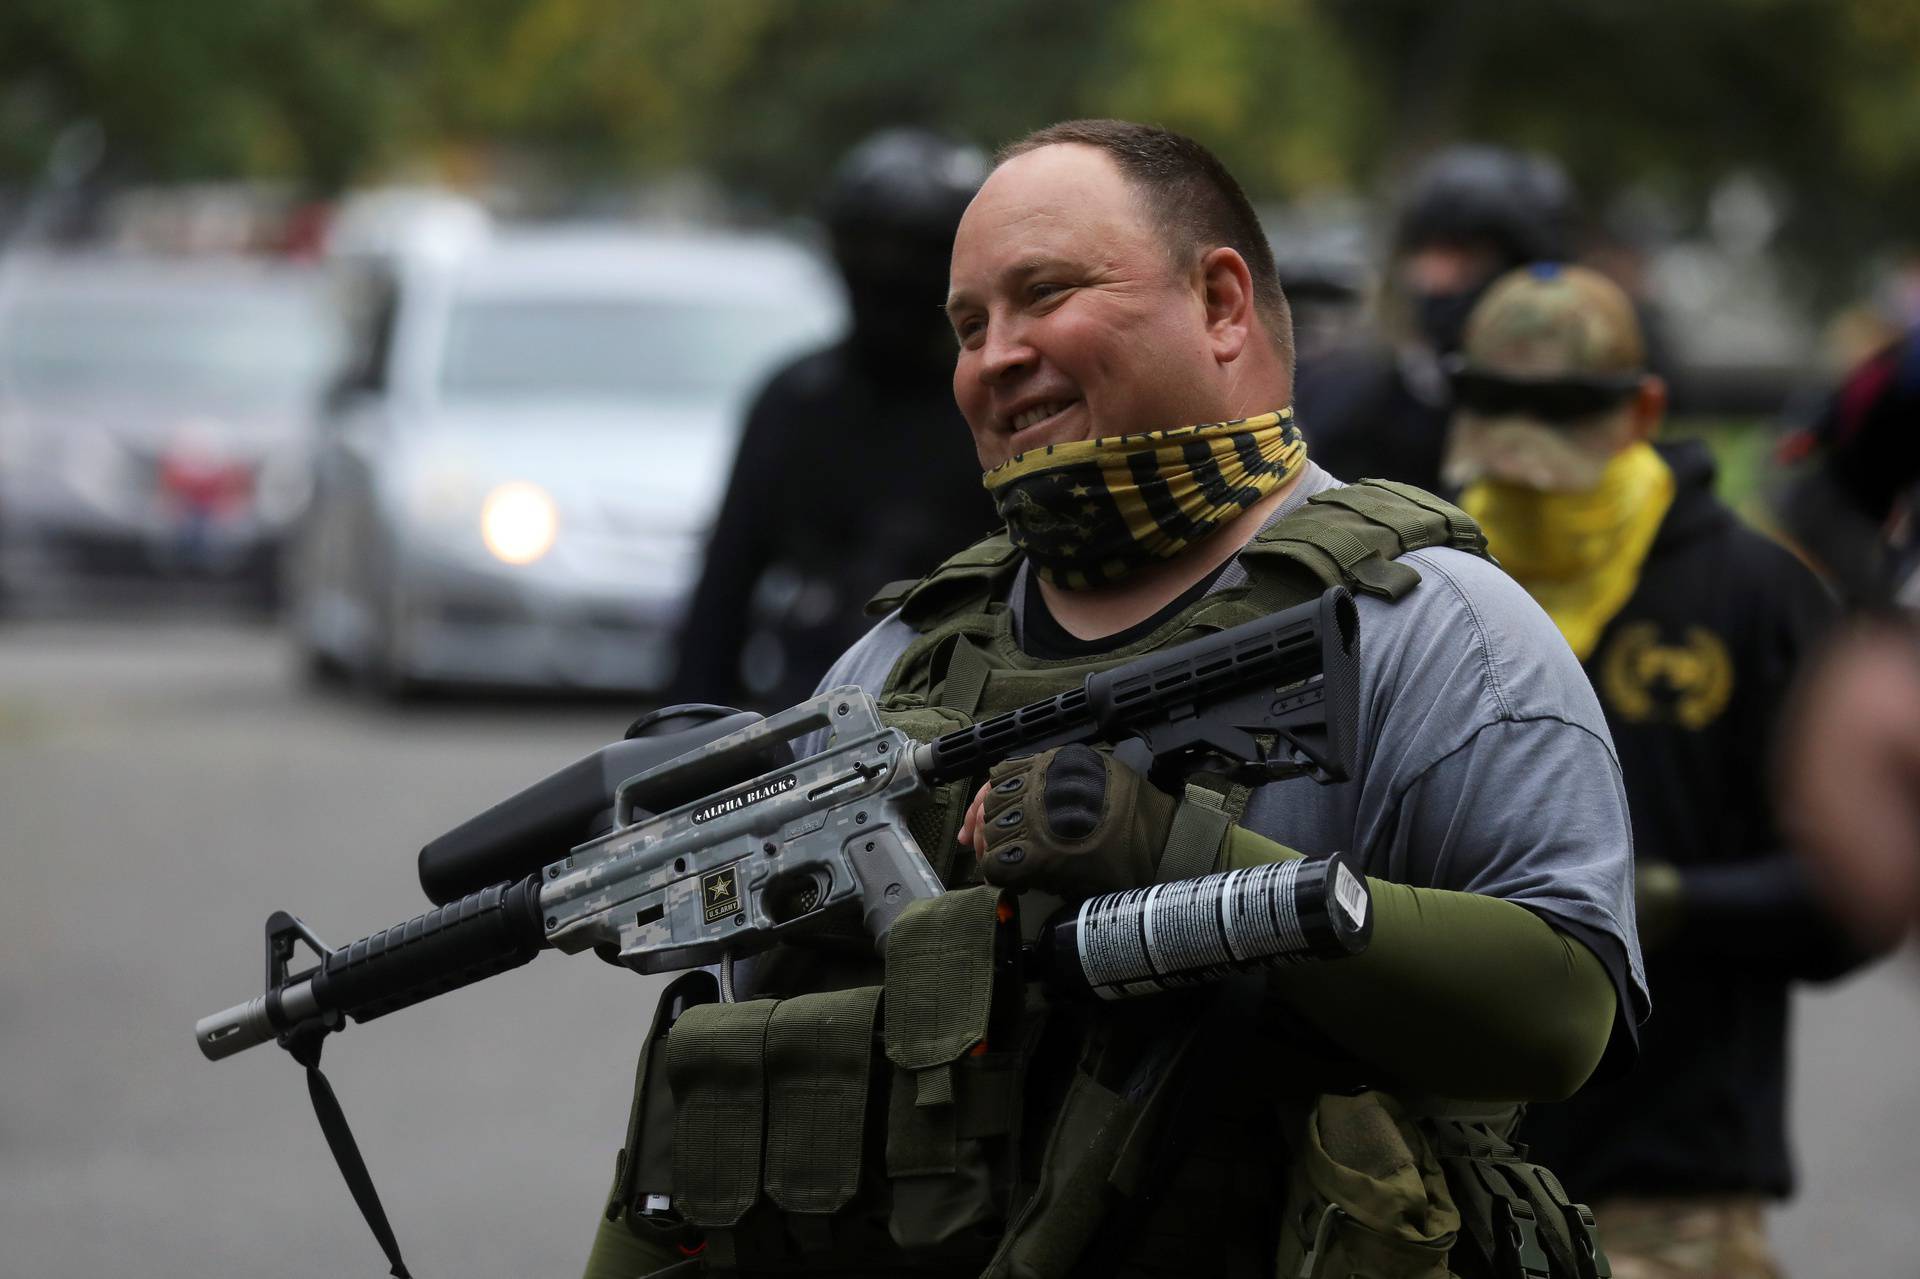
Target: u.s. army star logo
(720,894)
(1686,684)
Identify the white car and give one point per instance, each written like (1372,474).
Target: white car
(518,472)
(154,413)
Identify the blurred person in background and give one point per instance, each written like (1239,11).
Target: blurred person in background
(1470,214)
(1851,506)
(1690,626)
(1876,318)
(853,465)
(1850,776)
(1850,760)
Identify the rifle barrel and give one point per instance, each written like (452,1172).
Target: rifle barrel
(484,933)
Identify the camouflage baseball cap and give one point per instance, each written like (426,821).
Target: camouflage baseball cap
(1551,353)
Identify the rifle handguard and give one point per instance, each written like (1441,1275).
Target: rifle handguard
(484,933)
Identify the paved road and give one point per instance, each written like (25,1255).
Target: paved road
(164,785)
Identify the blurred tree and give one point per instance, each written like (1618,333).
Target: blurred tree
(1268,83)
(198,88)
(1818,95)
(986,71)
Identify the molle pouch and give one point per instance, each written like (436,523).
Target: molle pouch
(644,1182)
(776,1113)
(1103,1136)
(956,1063)
(716,1066)
(1367,1198)
(823,1101)
(935,820)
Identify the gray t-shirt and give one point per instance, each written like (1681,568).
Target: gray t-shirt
(1483,759)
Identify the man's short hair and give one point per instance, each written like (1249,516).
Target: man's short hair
(1195,203)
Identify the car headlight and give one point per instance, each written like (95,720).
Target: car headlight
(518,522)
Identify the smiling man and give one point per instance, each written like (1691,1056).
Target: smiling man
(1093,314)
(1124,366)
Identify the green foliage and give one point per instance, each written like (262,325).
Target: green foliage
(823,74)
(194,88)
(1820,95)
(1743,452)
(1266,82)
(1296,94)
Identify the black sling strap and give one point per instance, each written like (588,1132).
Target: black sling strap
(304,1043)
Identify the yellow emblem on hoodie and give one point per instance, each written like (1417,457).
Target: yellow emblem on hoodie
(1688,684)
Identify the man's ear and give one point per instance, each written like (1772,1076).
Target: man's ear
(1226,292)
(1648,408)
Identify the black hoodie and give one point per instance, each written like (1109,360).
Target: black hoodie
(853,470)
(1691,674)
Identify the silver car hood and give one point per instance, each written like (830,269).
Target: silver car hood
(150,425)
(636,468)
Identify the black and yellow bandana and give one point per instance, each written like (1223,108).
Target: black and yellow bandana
(1089,512)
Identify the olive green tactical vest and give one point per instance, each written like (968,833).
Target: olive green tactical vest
(966,663)
(886,1128)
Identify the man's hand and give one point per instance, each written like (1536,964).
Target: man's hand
(1070,821)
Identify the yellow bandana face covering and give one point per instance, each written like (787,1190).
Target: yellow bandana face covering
(1089,512)
(1578,554)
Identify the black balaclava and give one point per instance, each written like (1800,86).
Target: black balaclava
(1519,206)
(892,209)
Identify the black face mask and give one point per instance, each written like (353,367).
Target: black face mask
(1442,317)
(895,287)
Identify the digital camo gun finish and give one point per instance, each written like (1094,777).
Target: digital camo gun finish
(720,843)
(784,852)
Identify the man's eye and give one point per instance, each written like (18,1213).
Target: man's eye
(967,330)
(1041,292)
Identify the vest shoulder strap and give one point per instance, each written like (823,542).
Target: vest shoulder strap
(961,580)
(1417,516)
(1353,537)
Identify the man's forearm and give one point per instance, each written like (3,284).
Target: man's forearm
(1458,995)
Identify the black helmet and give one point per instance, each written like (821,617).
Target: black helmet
(1519,203)
(907,181)
(1863,464)
(891,211)
(1867,435)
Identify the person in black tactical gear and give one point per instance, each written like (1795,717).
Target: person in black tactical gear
(788,568)
(1471,213)
(1692,627)
(1124,367)
(1851,507)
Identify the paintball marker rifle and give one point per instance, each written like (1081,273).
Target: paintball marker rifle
(707,839)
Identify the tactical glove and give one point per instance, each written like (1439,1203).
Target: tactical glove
(1073,822)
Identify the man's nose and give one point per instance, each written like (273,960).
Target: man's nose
(1005,353)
